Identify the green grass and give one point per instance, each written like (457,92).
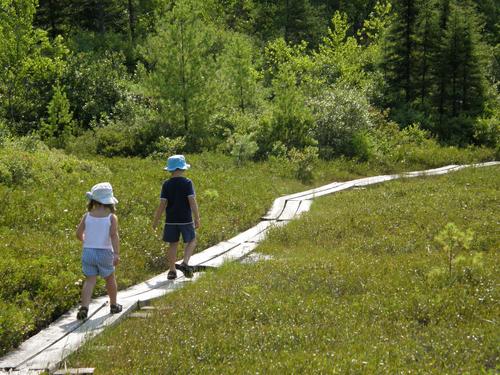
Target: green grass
(42,200)
(357,285)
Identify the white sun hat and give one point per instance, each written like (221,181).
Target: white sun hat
(102,193)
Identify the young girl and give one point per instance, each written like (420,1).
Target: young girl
(98,230)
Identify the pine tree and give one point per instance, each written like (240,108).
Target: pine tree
(59,125)
(426,40)
(181,67)
(239,73)
(399,62)
(460,96)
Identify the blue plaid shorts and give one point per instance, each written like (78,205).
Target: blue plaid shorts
(97,262)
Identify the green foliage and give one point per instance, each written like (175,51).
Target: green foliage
(239,76)
(31,65)
(291,121)
(59,125)
(340,58)
(339,114)
(363,145)
(349,275)
(487,132)
(304,161)
(94,86)
(166,147)
(452,240)
(181,54)
(243,147)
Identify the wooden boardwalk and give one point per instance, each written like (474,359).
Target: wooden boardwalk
(47,349)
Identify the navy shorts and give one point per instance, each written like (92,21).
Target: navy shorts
(172,232)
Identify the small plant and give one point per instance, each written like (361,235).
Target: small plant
(166,147)
(243,148)
(304,162)
(211,194)
(452,240)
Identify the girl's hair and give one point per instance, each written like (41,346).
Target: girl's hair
(94,203)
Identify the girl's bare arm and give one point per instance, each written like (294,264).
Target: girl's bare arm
(80,230)
(115,238)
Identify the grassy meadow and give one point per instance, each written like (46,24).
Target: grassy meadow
(357,285)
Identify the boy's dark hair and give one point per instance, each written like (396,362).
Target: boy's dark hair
(94,203)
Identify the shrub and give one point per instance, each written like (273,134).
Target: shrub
(340,114)
(487,132)
(363,146)
(94,85)
(243,147)
(114,142)
(165,147)
(304,162)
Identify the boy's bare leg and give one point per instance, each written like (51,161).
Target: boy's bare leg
(172,255)
(111,288)
(88,287)
(188,250)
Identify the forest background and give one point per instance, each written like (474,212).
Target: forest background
(248,77)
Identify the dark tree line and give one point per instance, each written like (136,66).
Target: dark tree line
(101,61)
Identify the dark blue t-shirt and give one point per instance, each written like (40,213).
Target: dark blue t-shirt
(176,191)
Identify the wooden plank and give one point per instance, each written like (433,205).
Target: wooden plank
(290,210)
(140,314)
(250,233)
(211,252)
(75,371)
(305,206)
(276,208)
(236,253)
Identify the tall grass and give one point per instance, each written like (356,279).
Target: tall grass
(42,198)
(355,286)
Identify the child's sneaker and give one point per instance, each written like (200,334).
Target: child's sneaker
(186,270)
(115,308)
(82,313)
(171,275)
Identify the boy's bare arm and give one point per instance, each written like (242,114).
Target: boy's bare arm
(80,230)
(159,211)
(194,208)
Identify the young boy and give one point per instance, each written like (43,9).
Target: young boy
(177,200)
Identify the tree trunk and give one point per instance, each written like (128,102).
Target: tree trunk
(131,19)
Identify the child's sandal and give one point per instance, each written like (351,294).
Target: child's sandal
(115,309)
(82,313)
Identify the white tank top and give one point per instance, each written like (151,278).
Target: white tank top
(97,232)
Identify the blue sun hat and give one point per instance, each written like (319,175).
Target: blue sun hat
(176,162)
(102,193)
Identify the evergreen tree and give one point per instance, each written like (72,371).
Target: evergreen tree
(238,72)
(59,125)
(54,16)
(181,62)
(461,95)
(399,62)
(426,40)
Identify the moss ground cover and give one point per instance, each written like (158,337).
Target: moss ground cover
(357,285)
